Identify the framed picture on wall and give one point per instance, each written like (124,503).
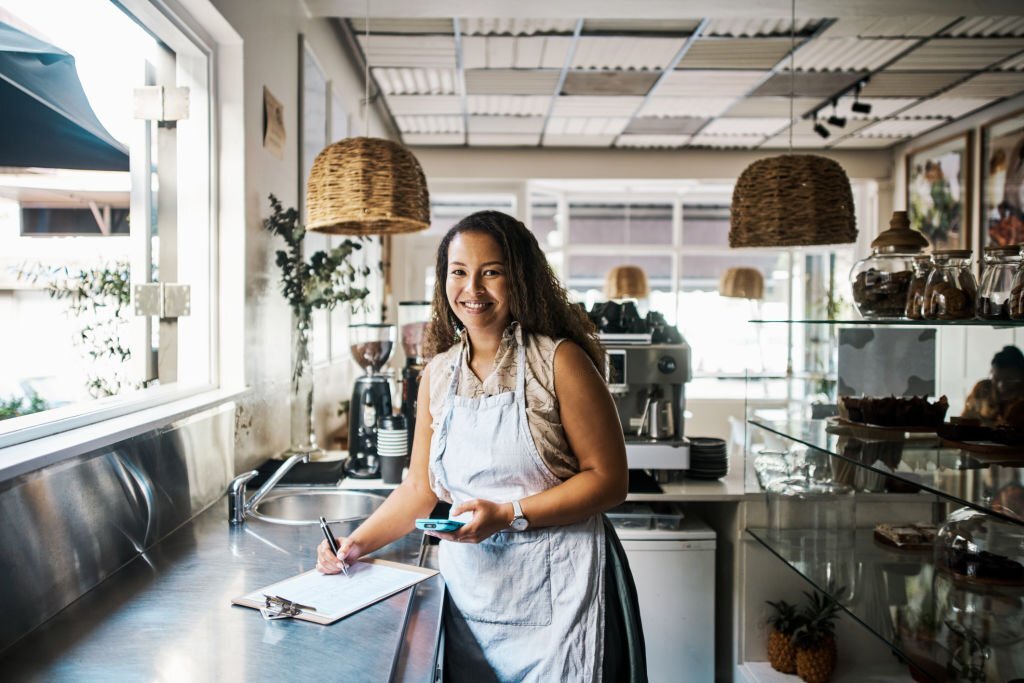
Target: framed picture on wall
(938,191)
(1002,188)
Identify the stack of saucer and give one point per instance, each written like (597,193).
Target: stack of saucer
(708,459)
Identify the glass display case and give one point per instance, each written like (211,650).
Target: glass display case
(946,594)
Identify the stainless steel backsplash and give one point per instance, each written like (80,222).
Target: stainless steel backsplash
(67,527)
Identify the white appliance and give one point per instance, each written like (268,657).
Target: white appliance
(673,565)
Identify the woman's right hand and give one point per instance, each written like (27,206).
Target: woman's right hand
(329,563)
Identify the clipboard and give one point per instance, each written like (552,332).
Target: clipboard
(326,598)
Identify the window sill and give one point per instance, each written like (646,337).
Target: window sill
(31,455)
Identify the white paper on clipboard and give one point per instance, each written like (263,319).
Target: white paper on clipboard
(334,596)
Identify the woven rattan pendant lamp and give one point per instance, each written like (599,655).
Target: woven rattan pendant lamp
(365,185)
(792,199)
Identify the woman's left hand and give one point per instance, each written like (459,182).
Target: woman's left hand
(488,519)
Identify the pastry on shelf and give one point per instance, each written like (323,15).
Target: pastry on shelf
(894,411)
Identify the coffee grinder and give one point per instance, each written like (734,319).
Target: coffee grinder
(371,347)
(413,317)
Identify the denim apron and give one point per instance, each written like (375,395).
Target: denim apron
(531,603)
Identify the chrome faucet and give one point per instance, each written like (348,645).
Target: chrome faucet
(238,506)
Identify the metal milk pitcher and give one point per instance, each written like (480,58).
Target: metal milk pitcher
(659,422)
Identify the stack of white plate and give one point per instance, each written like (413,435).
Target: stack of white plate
(708,458)
(392,442)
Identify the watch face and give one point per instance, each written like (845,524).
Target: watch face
(520,524)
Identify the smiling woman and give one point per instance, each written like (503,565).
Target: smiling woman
(124,195)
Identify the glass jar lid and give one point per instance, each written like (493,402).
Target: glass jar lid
(952,253)
(799,487)
(899,237)
(1009,250)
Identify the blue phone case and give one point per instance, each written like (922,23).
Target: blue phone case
(445,525)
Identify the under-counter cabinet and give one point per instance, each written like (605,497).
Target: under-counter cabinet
(948,606)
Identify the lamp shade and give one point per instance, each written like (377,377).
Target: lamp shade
(742,283)
(626,282)
(366,186)
(792,200)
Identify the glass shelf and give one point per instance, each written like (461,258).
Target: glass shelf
(914,462)
(917,607)
(898,322)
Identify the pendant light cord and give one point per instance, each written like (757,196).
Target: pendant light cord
(792,68)
(366,76)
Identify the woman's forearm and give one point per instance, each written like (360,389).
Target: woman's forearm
(395,517)
(582,495)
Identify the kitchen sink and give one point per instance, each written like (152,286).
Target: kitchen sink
(308,505)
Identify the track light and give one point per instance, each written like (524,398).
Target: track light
(821,129)
(858,106)
(836,120)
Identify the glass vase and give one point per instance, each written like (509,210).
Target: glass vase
(300,400)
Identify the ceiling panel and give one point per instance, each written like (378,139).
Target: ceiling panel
(742,27)
(735,53)
(808,83)
(943,107)
(702,107)
(511,52)
(709,83)
(615,52)
(989,85)
(679,27)
(415,81)
(910,84)
(675,125)
(506,124)
(745,126)
(411,105)
(856,142)
(510,82)
(508,105)
(515,27)
(585,125)
(804,135)
(988,26)
(1013,64)
(383,25)
(958,53)
(581,105)
(916,26)
(425,52)
(447,139)
(608,83)
(578,140)
(504,139)
(726,140)
(900,128)
(847,54)
(649,141)
(430,124)
(771,106)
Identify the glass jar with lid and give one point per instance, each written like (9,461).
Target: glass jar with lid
(881,281)
(1001,266)
(978,548)
(915,296)
(952,290)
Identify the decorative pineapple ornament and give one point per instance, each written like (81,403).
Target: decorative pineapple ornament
(815,638)
(784,622)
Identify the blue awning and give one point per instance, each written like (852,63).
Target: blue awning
(45,118)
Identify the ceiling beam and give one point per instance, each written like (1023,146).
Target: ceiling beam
(660,9)
(570,55)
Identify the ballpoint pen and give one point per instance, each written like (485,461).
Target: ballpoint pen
(332,544)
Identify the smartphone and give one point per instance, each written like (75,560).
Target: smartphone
(446,525)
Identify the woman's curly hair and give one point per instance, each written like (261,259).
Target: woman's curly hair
(537,300)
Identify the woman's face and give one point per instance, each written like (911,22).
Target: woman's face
(477,284)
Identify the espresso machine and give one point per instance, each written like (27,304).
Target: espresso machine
(413,317)
(371,347)
(647,371)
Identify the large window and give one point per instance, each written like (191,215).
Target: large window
(82,226)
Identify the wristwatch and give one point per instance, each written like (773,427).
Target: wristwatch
(519,521)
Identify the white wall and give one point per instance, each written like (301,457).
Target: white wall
(267,54)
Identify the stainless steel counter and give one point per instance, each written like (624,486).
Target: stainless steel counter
(167,616)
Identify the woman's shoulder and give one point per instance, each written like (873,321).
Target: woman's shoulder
(443,361)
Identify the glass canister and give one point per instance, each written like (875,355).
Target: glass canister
(799,504)
(978,548)
(915,296)
(1001,266)
(882,280)
(952,289)
(1016,301)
